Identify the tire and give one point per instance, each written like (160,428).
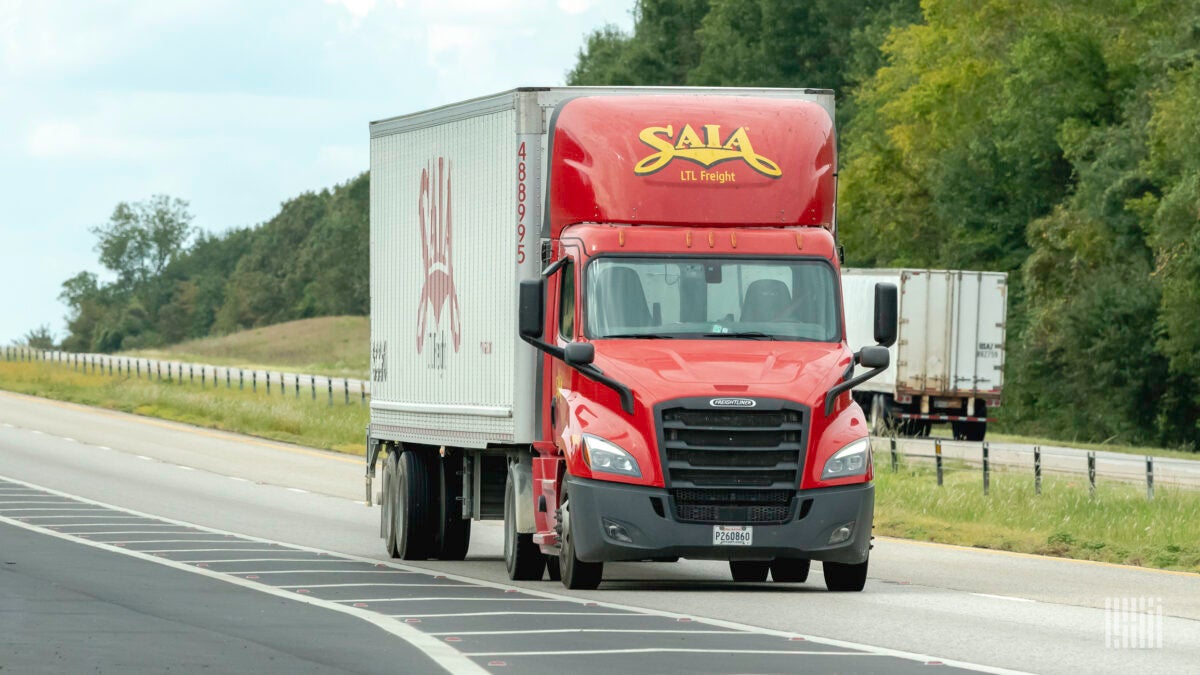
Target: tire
(524,560)
(387,508)
(412,513)
(845,577)
(790,570)
(974,431)
(576,574)
(881,423)
(454,531)
(749,570)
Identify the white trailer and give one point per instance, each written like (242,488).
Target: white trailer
(948,361)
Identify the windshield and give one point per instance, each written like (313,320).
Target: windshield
(712,297)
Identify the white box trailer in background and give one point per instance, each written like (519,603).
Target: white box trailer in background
(948,361)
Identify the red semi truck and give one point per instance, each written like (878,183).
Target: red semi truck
(612,318)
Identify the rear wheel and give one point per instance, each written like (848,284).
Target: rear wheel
(576,574)
(845,576)
(388,522)
(454,531)
(749,570)
(413,520)
(790,570)
(524,560)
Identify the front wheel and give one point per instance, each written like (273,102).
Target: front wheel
(845,576)
(576,574)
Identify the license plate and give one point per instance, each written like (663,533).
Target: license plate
(733,535)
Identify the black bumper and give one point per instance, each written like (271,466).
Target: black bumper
(597,504)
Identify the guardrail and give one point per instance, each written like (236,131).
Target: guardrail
(346,389)
(986,456)
(1035,460)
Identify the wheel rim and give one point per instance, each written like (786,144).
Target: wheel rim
(509,539)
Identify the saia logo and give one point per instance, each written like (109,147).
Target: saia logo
(705,151)
(438,295)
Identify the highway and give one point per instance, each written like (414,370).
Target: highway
(130,544)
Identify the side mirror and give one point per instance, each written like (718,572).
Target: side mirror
(530,321)
(579,354)
(886,309)
(874,357)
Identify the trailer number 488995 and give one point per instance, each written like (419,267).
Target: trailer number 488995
(733,535)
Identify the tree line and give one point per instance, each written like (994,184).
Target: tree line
(1056,141)
(173,283)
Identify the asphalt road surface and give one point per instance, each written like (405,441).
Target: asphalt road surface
(161,546)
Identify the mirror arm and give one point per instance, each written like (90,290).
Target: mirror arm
(589,371)
(846,386)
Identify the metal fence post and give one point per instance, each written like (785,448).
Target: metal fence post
(1091,457)
(296,382)
(346,389)
(937,451)
(254,381)
(895,460)
(110,365)
(203,376)
(267,374)
(329,384)
(228,384)
(987,478)
(1149,477)
(1037,469)
(312,381)
(362,392)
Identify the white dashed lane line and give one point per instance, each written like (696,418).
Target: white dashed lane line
(519,617)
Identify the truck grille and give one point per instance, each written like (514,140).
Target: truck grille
(732,466)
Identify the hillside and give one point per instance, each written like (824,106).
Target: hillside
(331,345)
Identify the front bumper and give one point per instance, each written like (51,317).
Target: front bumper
(661,536)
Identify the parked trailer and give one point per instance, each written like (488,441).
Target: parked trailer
(948,361)
(611,317)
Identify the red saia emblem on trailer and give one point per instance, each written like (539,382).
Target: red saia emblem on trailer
(438,293)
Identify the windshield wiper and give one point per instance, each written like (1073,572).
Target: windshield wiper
(748,335)
(646,336)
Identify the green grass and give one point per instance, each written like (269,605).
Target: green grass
(332,345)
(1118,525)
(286,418)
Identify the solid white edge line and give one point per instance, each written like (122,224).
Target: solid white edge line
(462,614)
(535,631)
(451,599)
(672,650)
(721,623)
(437,651)
(1004,597)
(242,560)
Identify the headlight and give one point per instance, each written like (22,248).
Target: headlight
(851,460)
(606,457)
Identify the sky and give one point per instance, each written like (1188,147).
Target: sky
(233,105)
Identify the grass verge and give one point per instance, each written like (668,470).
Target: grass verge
(333,345)
(1117,525)
(315,424)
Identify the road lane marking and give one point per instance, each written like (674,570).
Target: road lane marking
(437,651)
(438,616)
(240,560)
(536,631)
(452,599)
(1003,597)
(375,584)
(672,650)
(400,569)
(185,468)
(148,459)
